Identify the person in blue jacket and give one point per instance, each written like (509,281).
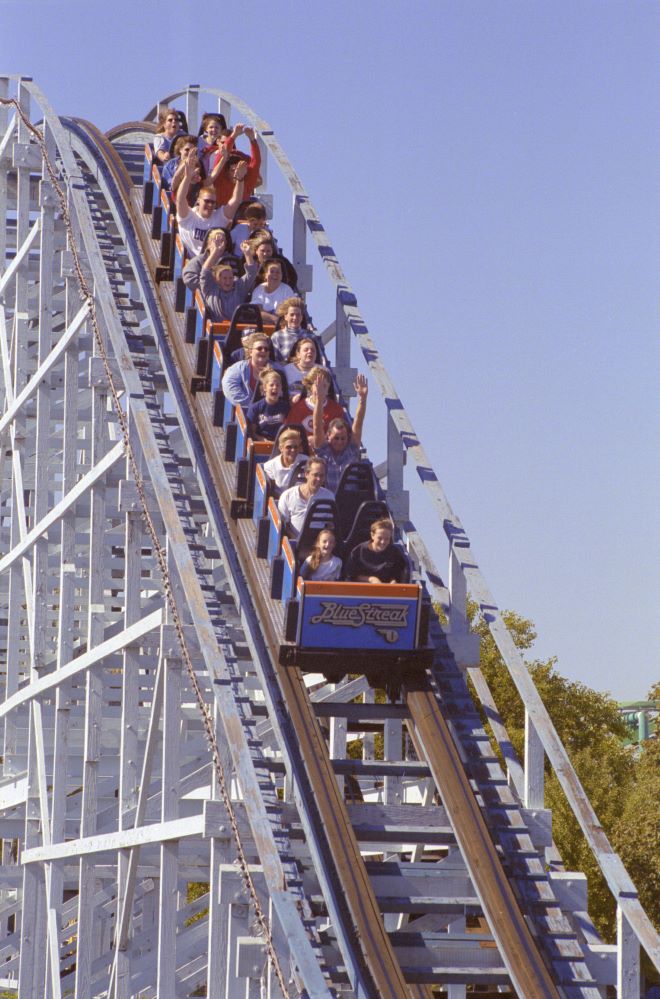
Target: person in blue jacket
(240,380)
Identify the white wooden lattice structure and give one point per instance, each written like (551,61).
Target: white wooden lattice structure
(109,804)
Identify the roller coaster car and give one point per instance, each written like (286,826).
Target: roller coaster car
(377,630)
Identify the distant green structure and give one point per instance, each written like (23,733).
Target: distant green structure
(641,718)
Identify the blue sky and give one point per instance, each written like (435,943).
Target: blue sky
(487,172)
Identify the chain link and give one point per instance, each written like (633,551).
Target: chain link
(161,557)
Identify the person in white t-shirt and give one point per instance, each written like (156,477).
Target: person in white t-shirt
(294,502)
(272,292)
(195,222)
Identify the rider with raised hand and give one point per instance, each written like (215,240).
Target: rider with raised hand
(195,222)
(340,444)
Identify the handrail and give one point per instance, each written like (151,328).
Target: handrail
(613,870)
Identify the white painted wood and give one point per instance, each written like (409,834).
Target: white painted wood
(85,662)
(392,750)
(86,483)
(25,247)
(534,762)
(100,597)
(458,596)
(45,365)
(129,746)
(628,962)
(86,943)
(338,729)
(167,937)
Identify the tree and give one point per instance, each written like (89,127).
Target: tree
(636,834)
(621,787)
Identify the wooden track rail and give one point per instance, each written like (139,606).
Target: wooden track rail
(529,973)
(137,628)
(507,923)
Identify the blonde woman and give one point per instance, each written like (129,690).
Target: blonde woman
(291,454)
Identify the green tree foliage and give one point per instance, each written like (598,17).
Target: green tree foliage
(636,834)
(620,786)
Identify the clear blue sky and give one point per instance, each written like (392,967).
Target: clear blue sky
(487,173)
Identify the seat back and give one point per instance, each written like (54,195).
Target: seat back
(357,485)
(360,531)
(292,426)
(244,316)
(321,513)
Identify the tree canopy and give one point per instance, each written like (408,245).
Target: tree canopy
(623,786)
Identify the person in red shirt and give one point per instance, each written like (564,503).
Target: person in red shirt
(315,404)
(226,178)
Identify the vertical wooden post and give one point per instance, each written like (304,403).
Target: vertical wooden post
(93,698)
(456,925)
(397,496)
(534,761)
(627,959)
(4,124)
(65,645)
(128,745)
(299,247)
(169,852)
(218,912)
(224,107)
(192,107)
(458,623)
(18,592)
(338,729)
(392,738)
(343,371)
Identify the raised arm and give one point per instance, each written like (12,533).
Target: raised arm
(361,387)
(250,271)
(232,205)
(255,152)
(215,247)
(220,160)
(237,130)
(182,206)
(191,272)
(318,434)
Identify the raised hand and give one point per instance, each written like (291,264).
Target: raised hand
(361,386)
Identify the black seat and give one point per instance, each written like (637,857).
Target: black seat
(244,314)
(297,472)
(357,485)
(292,426)
(360,531)
(321,513)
